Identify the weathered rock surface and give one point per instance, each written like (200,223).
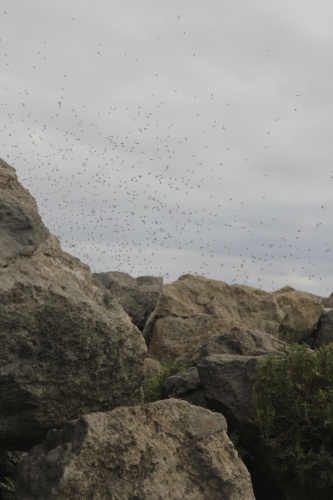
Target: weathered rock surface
(9,461)
(238,340)
(152,367)
(324,333)
(228,382)
(194,308)
(138,296)
(67,346)
(165,450)
(328,301)
(186,385)
(21,228)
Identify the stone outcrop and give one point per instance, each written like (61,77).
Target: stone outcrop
(168,449)
(324,332)
(72,360)
(67,346)
(328,301)
(220,382)
(186,385)
(9,461)
(21,228)
(138,296)
(238,341)
(194,308)
(152,367)
(228,383)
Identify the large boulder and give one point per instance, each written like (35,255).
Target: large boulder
(328,301)
(194,308)
(324,333)
(21,228)
(138,296)
(237,340)
(185,385)
(67,346)
(228,386)
(9,461)
(168,449)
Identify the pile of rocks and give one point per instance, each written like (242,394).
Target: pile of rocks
(74,352)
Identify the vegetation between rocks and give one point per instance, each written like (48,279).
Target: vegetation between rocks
(154,385)
(7,489)
(293,407)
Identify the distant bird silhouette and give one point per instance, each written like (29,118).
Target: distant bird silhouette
(145,157)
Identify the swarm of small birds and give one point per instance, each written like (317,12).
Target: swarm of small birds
(143,155)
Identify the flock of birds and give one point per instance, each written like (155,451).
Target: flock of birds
(135,187)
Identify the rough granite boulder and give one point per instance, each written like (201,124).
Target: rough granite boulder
(21,228)
(324,332)
(67,346)
(327,301)
(152,367)
(185,385)
(165,450)
(238,340)
(220,382)
(138,296)
(228,383)
(194,308)
(9,461)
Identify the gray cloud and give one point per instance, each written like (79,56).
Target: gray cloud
(167,138)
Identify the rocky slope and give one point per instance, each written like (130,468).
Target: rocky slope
(72,367)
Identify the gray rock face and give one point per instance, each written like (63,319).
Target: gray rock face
(21,228)
(67,346)
(138,296)
(165,450)
(324,333)
(328,301)
(238,340)
(194,308)
(9,461)
(187,386)
(228,380)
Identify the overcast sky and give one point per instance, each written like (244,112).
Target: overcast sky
(171,137)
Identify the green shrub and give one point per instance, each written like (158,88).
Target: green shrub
(154,385)
(7,489)
(293,408)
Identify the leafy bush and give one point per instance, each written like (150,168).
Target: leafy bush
(7,489)
(293,407)
(154,385)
